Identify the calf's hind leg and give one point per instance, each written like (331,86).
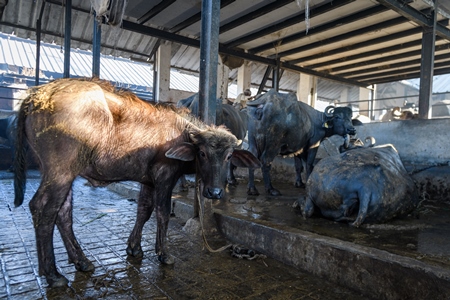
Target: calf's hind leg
(44,208)
(64,222)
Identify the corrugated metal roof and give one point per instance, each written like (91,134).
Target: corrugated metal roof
(17,53)
(356,42)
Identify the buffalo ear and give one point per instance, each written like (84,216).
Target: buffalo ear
(184,152)
(244,159)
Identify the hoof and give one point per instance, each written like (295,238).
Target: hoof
(166,259)
(252,192)
(273,192)
(232,182)
(135,252)
(85,266)
(57,280)
(299,184)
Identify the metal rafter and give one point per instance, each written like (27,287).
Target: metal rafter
(340,70)
(364,44)
(315,11)
(155,10)
(416,16)
(321,28)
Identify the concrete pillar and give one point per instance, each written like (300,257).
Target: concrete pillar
(307,89)
(364,106)
(344,95)
(244,77)
(164,54)
(222,80)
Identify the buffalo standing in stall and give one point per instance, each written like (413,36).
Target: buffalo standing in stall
(86,128)
(8,124)
(235,120)
(278,124)
(362,185)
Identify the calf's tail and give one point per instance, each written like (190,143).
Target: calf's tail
(20,155)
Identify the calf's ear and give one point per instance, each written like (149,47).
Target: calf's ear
(183,151)
(244,159)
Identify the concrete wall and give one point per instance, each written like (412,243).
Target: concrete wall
(418,142)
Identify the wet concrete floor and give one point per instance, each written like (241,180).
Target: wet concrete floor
(422,235)
(102,222)
(406,258)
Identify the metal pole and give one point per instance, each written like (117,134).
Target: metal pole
(427,67)
(67,37)
(96,47)
(276,75)
(209,56)
(38,45)
(156,76)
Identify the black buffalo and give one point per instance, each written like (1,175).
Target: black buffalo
(86,128)
(367,185)
(8,124)
(235,120)
(278,124)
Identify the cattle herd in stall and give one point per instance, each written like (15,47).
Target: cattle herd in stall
(85,127)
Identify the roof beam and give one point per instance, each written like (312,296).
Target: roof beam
(358,45)
(127,25)
(416,16)
(388,58)
(321,28)
(155,10)
(186,23)
(254,15)
(351,34)
(314,11)
(58,35)
(397,72)
(407,76)
(402,64)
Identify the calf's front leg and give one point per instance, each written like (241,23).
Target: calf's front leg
(144,211)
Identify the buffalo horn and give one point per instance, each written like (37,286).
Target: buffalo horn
(329,111)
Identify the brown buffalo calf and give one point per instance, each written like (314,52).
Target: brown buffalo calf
(86,128)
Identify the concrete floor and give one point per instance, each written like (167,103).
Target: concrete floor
(406,258)
(102,222)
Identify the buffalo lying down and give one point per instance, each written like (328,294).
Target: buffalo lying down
(278,124)
(86,128)
(362,185)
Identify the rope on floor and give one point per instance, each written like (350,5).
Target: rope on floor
(236,250)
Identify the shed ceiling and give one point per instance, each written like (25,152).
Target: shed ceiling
(357,42)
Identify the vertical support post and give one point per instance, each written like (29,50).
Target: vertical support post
(38,51)
(209,56)
(244,77)
(427,66)
(156,76)
(163,62)
(38,44)
(96,47)
(276,76)
(67,37)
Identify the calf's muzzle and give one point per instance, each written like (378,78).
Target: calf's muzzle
(213,193)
